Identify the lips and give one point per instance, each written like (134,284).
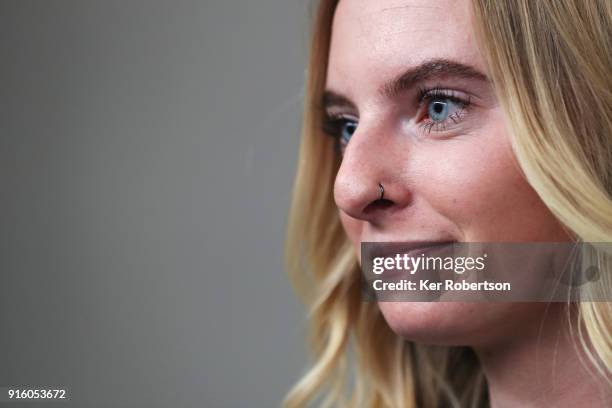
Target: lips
(409,268)
(371,250)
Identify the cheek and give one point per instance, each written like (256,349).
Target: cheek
(480,188)
(353,228)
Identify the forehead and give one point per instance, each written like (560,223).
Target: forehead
(374,40)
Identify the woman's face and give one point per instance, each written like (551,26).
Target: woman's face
(408,96)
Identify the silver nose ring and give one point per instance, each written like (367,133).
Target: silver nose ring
(382,191)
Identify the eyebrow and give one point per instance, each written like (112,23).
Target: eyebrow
(333,99)
(427,70)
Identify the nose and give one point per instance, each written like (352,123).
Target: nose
(370,161)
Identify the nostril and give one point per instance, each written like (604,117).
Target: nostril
(377,205)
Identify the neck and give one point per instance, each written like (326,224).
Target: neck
(545,366)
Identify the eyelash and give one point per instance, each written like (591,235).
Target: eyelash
(333,123)
(332,126)
(425,96)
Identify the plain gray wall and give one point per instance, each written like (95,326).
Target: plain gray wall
(146,160)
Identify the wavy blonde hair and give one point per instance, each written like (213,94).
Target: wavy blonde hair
(550,64)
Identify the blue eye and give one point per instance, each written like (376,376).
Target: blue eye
(440,109)
(443,108)
(341,128)
(347,128)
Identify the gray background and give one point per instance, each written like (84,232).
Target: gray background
(146,159)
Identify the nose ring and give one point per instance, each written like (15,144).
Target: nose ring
(382,191)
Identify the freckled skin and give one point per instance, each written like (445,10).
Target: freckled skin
(467,187)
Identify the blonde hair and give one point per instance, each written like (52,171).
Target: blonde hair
(550,64)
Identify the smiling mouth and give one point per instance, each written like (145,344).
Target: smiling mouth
(414,248)
(400,258)
(370,251)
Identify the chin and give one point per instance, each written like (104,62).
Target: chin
(460,323)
